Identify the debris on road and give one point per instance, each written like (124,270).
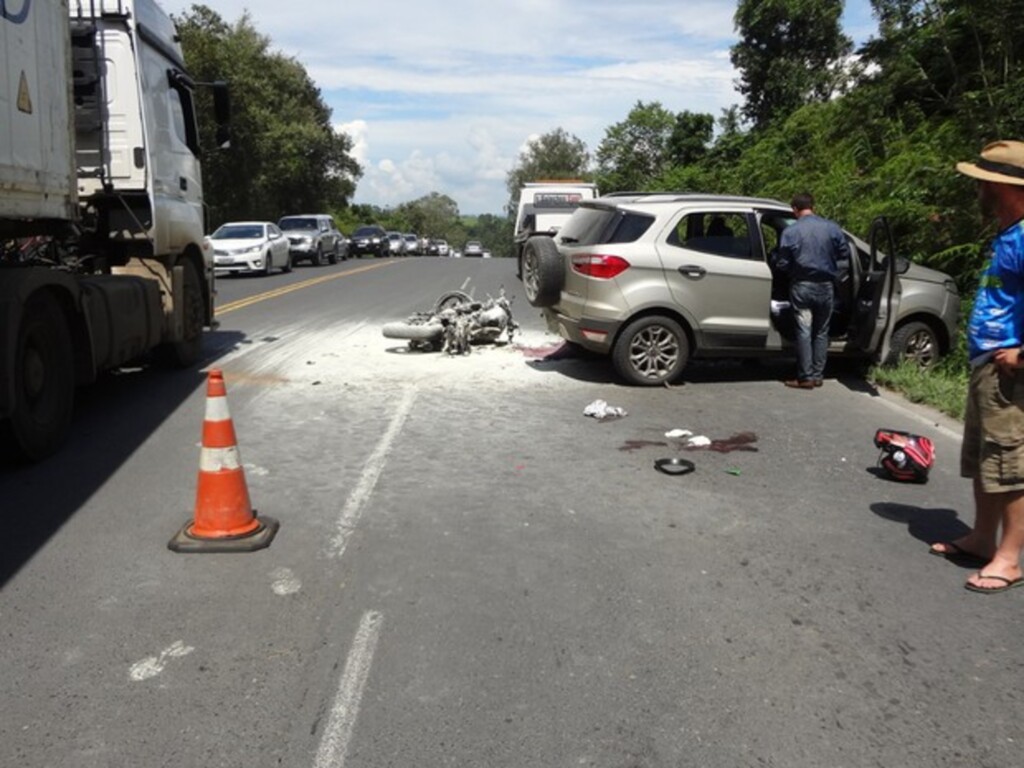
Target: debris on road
(601,411)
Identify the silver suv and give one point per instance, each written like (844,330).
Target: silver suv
(657,279)
(314,238)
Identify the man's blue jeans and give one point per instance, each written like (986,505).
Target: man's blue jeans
(812,306)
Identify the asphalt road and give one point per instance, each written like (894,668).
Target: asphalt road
(470,572)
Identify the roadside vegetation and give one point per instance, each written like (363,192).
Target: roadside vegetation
(871,132)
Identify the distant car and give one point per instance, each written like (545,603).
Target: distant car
(312,237)
(473,248)
(370,239)
(487,253)
(396,244)
(412,244)
(250,247)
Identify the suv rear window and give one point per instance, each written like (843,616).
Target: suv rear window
(594,226)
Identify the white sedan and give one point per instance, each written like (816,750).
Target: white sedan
(250,247)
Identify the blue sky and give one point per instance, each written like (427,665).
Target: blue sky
(443,95)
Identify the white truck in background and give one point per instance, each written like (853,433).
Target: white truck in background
(543,208)
(102,251)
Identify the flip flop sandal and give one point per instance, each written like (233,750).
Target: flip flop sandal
(1009,584)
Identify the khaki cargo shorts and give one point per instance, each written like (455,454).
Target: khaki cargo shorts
(993,446)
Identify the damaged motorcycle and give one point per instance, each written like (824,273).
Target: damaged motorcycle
(456,323)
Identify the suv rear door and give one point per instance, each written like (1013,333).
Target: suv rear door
(717,275)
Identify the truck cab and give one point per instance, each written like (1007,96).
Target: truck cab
(543,207)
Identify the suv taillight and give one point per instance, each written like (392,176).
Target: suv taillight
(599,265)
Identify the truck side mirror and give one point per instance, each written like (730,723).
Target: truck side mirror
(222,113)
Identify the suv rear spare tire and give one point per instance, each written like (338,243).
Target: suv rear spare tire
(543,272)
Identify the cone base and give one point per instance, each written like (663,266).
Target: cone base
(184,541)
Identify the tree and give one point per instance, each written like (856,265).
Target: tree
(790,53)
(495,232)
(285,157)
(554,155)
(955,58)
(434,215)
(636,150)
(690,138)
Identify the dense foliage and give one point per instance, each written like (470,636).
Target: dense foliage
(284,156)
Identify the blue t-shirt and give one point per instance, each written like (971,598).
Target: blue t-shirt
(997,318)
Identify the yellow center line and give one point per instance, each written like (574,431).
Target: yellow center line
(231,306)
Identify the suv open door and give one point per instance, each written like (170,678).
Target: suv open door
(877,294)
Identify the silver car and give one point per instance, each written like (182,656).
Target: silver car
(657,279)
(254,247)
(313,237)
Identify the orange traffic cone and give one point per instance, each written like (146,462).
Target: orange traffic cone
(224,520)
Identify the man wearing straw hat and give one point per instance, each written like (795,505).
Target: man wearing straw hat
(993,446)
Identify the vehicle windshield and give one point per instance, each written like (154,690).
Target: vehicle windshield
(238,232)
(298,223)
(366,232)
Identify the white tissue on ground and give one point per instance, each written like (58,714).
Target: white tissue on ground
(698,441)
(599,409)
(678,433)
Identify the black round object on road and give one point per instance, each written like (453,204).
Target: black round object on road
(674,466)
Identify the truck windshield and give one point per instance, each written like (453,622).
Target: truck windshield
(557,201)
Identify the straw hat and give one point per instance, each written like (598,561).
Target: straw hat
(1001,162)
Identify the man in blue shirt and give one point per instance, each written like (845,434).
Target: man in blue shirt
(992,454)
(810,250)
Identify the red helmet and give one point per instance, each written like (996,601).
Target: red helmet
(905,457)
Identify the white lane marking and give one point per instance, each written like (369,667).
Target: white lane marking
(345,709)
(285,581)
(353,509)
(154,665)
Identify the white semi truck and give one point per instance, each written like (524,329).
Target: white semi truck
(102,249)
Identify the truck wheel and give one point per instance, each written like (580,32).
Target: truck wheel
(915,342)
(543,272)
(44,381)
(185,353)
(651,351)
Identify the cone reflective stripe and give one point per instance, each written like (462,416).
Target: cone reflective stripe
(224,520)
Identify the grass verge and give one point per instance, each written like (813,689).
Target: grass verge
(943,388)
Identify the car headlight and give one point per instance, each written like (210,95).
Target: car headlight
(251,249)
